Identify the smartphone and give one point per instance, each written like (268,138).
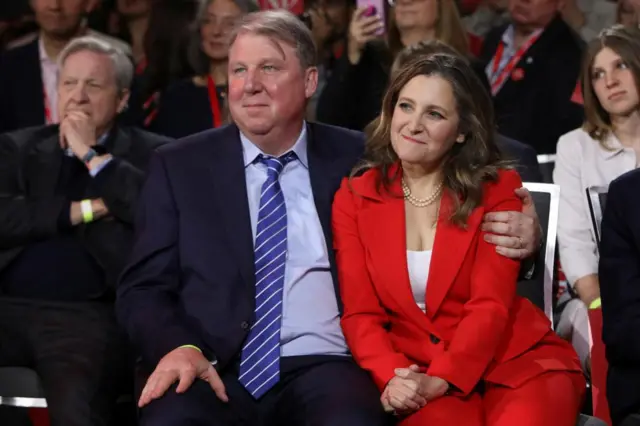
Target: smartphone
(374,7)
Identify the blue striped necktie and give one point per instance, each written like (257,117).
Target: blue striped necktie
(260,362)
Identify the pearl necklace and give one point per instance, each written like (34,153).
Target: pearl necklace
(420,202)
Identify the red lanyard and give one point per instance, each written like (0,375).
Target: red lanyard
(498,77)
(47,108)
(215,102)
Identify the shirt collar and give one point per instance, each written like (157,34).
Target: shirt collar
(614,145)
(251,151)
(44,58)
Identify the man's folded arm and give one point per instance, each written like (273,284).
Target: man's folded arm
(148,293)
(23,218)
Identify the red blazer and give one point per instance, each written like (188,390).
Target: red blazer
(475,327)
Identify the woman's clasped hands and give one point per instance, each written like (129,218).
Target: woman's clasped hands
(410,390)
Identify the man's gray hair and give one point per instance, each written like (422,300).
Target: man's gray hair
(122,64)
(282,26)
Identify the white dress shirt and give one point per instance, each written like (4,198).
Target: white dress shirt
(583,163)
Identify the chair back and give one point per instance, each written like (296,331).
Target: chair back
(547,163)
(597,198)
(539,290)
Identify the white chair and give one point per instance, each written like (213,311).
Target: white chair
(547,163)
(546,198)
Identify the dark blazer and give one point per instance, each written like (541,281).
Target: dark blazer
(524,157)
(30,162)
(619,273)
(537,109)
(21,88)
(191,278)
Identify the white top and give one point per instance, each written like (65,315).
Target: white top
(582,163)
(418,263)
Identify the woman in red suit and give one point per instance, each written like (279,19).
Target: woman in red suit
(430,307)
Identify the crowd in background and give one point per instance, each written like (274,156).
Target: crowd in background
(547,64)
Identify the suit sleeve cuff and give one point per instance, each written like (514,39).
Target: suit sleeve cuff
(96,170)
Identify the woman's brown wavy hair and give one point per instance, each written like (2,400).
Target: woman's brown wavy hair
(449,29)
(625,41)
(468,165)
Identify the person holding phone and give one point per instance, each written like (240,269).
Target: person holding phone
(376,36)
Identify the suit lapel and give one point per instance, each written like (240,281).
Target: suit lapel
(118,143)
(384,237)
(449,251)
(227,173)
(32,92)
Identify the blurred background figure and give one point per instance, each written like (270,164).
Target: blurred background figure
(354,98)
(166,59)
(134,22)
(329,23)
(628,10)
(197,103)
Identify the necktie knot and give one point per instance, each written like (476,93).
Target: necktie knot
(276,164)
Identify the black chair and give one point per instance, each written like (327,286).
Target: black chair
(21,387)
(546,198)
(585,420)
(597,199)
(547,163)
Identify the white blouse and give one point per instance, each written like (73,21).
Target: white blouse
(582,163)
(418,263)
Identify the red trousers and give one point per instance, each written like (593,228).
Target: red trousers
(551,399)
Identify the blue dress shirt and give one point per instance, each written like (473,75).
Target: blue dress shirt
(310,315)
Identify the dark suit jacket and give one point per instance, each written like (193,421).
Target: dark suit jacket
(619,273)
(537,109)
(191,277)
(29,208)
(524,157)
(21,88)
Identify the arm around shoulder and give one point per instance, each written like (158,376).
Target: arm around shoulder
(149,287)
(492,292)
(364,319)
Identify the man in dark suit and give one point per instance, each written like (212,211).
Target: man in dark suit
(533,64)
(619,272)
(67,196)
(231,290)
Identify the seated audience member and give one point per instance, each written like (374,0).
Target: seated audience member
(198,103)
(628,12)
(133,18)
(533,65)
(619,271)
(523,155)
(329,23)
(606,146)
(430,307)
(589,17)
(28,72)
(354,98)
(223,271)
(166,59)
(67,195)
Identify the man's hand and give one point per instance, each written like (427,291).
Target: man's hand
(183,365)
(429,387)
(516,235)
(78,133)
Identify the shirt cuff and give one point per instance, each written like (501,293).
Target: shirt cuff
(94,172)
